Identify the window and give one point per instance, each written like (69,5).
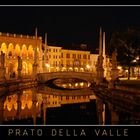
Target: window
(54,63)
(73,97)
(79,56)
(73,55)
(67,55)
(84,56)
(61,55)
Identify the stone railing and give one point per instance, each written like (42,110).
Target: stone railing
(18,36)
(15,85)
(43,77)
(122,102)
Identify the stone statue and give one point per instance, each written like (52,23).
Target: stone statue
(2,59)
(19,63)
(114,59)
(100,61)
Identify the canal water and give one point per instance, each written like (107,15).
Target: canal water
(61,101)
(64,105)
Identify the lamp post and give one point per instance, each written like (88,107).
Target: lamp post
(48,66)
(138,62)
(88,67)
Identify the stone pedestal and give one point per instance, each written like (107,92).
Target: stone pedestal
(100,75)
(111,84)
(2,73)
(34,70)
(19,73)
(19,67)
(114,76)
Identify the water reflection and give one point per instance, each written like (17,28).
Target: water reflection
(71,105)
(71,83)
(23,102)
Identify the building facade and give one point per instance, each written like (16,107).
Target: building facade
(49,59)
(20,45)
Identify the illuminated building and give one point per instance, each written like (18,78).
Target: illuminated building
(20,45)
(51,59)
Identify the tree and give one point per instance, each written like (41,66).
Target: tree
(127,45)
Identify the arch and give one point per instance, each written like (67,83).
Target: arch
(11,102)
(10,69)
(15,67)
(10,50)
(24,51)
(25,68)
(30,52)
(30,68)
(17,50)
(4,48)
(26,99)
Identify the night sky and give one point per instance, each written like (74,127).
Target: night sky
(69,25)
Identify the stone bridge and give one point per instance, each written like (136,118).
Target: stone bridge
(87,76)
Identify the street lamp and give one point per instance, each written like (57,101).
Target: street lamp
(138,62)
(88,67)
(48,66)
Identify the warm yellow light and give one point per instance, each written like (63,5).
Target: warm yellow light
(64,85)
(70,85)
(119,67)
(88,66)
(63,69)
(81,84)
(47,65)
(76,84)
(134,60)
(126,70)
(137,58)
(70,68)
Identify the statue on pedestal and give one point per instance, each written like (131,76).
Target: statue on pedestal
(100,61)
(19,63)
(114,60)
(2,58)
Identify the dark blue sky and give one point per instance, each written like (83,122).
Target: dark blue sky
(67,25)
